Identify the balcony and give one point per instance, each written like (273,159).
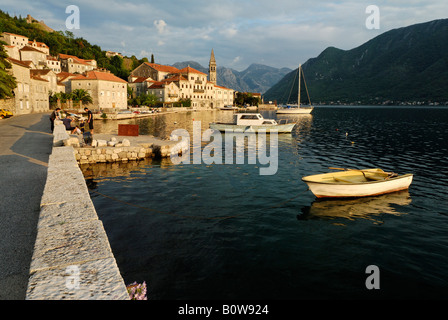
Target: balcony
(198,90)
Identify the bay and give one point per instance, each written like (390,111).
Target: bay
(223,231)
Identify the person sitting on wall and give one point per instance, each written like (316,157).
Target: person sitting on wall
(68,125)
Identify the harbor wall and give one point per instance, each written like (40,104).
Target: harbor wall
(72,258)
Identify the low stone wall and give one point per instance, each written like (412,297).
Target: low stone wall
(113,148)
(111,154)
(72,256)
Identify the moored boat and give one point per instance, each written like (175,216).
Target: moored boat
(252,122)
(353,183)
(294,109)
(297,108)
(229,108)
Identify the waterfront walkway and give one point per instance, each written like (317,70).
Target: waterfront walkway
(25,145)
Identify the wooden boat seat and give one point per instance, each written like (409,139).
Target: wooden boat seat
(374,178)
(344,180)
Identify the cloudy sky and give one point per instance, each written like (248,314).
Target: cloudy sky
(281,33)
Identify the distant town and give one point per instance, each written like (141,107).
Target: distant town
(40,77)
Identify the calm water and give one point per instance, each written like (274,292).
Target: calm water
(226,232)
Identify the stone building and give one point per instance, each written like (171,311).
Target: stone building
(14,39)
(38,57)
(73,64)
(31,93)
(39,93)
(107,90)
(39,46)
(165,91)
(156,72)
(54,85)
(191,84)
(22,93)
(54,64)
(139,85)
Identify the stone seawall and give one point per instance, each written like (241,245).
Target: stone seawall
(72,256)
(113,148)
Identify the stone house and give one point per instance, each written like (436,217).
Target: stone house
(31,93)
(53,63)
(39,46)
(154,71)
(73,64)
(14,39)
(12,51)
(38,57)
(139,85)
(39,93)
(165,91)
(54,85)
(107,90)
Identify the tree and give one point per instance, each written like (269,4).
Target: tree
(81,95)
(152,58)
(7,81)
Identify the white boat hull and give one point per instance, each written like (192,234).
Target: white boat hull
(364,189)
(280,128)
(294,110)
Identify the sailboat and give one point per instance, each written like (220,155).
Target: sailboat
(296,108)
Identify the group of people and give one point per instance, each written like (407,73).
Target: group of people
(67,121)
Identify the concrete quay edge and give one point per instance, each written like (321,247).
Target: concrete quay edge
(72,258)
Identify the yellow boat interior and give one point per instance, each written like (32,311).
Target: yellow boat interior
(351,176)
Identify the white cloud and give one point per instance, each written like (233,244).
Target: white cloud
(280,34)
(160,25)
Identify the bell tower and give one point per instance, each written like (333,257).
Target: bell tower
(212,68)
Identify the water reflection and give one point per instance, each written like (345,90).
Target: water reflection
(162,125)
(362,208)
(127,170)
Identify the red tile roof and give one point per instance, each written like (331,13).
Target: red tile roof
(28,48)
(20,63)
(64,75)
(75,59)
(39,44)
(98,75)
(157,85)
(36,77)
(190,70)
(162,68)
(13,34)
(175,78)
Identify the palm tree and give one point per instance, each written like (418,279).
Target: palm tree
(81,95)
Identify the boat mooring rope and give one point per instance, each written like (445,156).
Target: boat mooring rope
(192,217)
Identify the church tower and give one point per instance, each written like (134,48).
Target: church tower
(212,68)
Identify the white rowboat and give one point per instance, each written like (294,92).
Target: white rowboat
(356,183)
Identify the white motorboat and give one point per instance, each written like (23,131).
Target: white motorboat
(252,122)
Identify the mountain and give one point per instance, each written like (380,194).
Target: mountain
(402,65)
(256,78)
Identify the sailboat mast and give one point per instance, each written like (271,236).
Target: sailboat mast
(298,94)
